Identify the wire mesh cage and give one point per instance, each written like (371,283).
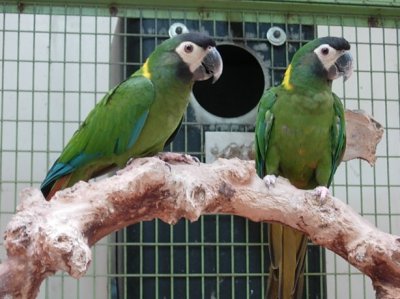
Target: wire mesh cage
(57,61)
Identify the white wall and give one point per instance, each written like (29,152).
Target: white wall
(42,57)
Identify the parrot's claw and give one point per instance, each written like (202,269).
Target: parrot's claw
(130,161)
(172,158)
(322,192)
(195,159)
(269,180)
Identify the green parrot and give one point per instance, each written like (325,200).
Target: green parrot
(300,135)
(140,115)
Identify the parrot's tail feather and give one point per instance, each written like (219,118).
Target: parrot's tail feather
(61,183)
(287,250)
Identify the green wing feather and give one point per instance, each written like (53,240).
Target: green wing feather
(264,124)
(102,133)
(103,137)
(338,136)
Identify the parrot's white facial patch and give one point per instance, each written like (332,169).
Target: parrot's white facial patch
(327,55)
(191,54)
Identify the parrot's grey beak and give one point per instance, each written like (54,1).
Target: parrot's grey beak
(342,67)
(211,66)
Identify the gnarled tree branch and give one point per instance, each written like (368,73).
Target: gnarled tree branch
(45,237)
(363,135)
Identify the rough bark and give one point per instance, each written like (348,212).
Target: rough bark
(45,237)
(363,135)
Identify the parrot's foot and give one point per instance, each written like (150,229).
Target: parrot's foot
(169,157)
(130,161)
(321,192)
(269,180)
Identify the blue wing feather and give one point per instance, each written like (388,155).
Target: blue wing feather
(137,128)
(60,169)
(56,171)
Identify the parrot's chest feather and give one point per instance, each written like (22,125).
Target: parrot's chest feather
(169,107)
(304,113)
(302,135)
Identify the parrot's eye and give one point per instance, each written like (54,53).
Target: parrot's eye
(325,51)
(188,48)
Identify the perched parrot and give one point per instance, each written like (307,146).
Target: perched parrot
(300,135)
(140,115)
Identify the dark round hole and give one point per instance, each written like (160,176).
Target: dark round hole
(277,34)
(178,30)
(239,88)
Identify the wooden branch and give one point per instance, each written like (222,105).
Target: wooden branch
(44,237)
(363,135)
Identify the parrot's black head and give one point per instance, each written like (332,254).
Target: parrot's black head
(332,53)
(193,56)
(202,40)
(325,58)
(337,43)
(200,58)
